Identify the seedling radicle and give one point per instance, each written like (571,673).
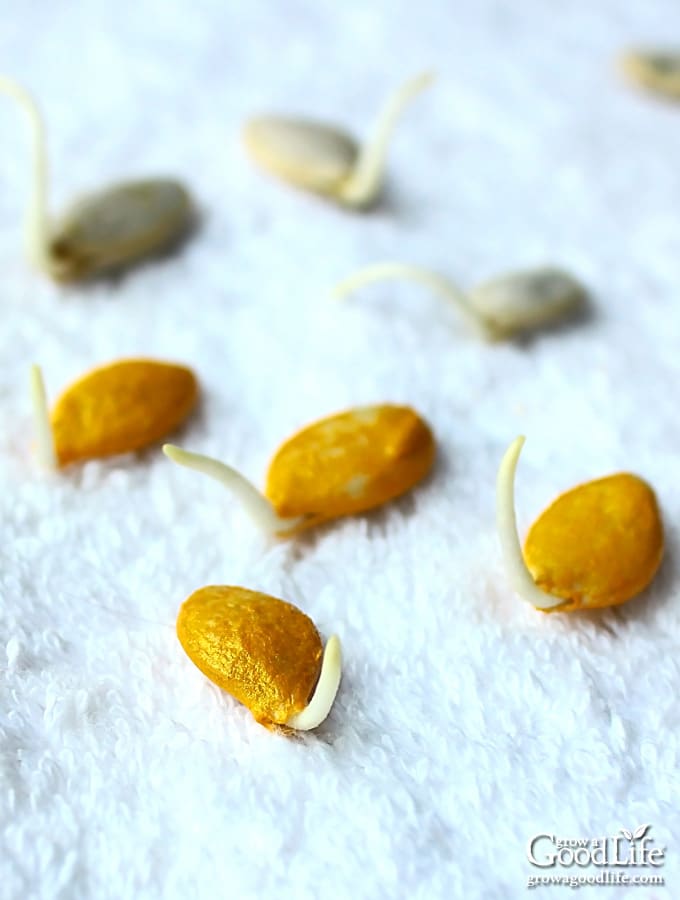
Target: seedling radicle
(325,691)
(260,510)
(519,575)
(46,452)
(110,228)
(438,284)
(325,160)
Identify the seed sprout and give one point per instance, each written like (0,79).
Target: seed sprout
(325,160)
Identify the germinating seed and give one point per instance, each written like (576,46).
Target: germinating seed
(339,466)
(114,409)
(107,229)
(265,652)
(497,309)
(325,160)
(598,544)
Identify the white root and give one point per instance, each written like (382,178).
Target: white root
(37,219)
(258,507)
(438,284)
(363,184)
(520,577)
(46,452)
(327,687)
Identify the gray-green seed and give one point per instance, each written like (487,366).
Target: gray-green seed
(117,226)
(526,299)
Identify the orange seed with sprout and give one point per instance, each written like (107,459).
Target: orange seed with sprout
(598,544)
(345,464)
(325,160)
(114,409)
(103,230)
(265,652)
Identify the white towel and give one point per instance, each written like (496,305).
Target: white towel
(466,721)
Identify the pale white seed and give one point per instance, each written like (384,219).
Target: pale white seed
(324,159)
(657,70)
(326,689)
(307,154)
(45,449)
(519,575)
(255,504)
(526,300)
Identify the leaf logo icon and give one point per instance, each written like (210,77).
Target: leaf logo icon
(641,831)
(626,833)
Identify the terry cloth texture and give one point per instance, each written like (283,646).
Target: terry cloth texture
(466,721)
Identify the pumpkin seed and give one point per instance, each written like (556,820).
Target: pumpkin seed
(115,409)
(110,228)
(264,652)
(655,70)
(342,465)
(496,309)
(308,154)
(522,301)
(323,159)
(118,225)
(598,544)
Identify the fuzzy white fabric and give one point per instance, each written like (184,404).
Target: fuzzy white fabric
(466,721)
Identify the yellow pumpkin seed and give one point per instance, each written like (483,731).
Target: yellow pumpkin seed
(114,409)
(345,464)
(598,544)
(264,651)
